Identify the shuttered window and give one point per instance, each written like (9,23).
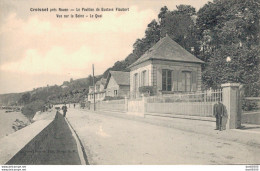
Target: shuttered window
(166,80)
(144,78)
(135,82)
(186,81)
(175,80)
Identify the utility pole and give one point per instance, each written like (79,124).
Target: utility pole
(94,88)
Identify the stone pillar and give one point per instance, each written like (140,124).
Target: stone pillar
(144,105)
(231,101)
(126,104)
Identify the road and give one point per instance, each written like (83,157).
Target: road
(114,140)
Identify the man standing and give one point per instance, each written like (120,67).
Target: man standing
(64,109)
(219,111)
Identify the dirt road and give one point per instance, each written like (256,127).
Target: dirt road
(112,140)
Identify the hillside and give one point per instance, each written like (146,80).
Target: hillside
(69,91)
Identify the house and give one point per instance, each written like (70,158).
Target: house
(167,68)
(99,90)
(118,84)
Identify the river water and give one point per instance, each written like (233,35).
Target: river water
(7,120)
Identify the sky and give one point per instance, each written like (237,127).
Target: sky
(38,49)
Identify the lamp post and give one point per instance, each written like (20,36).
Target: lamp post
(228,60)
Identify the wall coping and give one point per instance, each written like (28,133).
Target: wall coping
(230,85)
(13,143)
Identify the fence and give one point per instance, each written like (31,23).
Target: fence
(113,105)
(198,104)
(136,106)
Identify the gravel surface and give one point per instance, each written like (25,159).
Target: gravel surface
(119,140)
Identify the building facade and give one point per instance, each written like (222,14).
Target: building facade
(98,90)
(167,68)
(118,84)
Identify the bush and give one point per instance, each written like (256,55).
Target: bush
(147,90)
(108,98)
(30,109)
(248,105)
(18,124)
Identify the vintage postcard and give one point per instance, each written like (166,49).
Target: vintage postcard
(130,82)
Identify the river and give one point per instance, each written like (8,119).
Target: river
(7,120)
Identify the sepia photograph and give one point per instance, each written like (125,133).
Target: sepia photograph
(130,82)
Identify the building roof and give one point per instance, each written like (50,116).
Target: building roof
(121,78)
(101,81)
(167,49)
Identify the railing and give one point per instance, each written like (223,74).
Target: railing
(206,96)
(198,104)
(113,105)
(135,95)
(136,105)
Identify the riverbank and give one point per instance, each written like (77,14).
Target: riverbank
(7,120)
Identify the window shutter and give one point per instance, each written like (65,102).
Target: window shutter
(175,80)
(194,81)
(180,88)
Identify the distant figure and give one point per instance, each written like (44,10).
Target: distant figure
(74,105)
(220,112)
(88,105)
(64,109)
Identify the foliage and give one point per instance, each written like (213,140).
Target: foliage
(25,99)
(230,28)
(248,105)
(30,109)
(219,29)
(147,90)
(108,98)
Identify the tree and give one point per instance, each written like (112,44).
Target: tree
(25,99)
(180,26)
(230,28)
(186,10)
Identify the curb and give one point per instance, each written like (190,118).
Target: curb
(81,149)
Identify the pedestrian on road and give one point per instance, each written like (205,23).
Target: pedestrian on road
(74,105)
(64,109)
(219,111)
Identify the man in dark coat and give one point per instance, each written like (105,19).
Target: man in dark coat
(219,111)
(64,109)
